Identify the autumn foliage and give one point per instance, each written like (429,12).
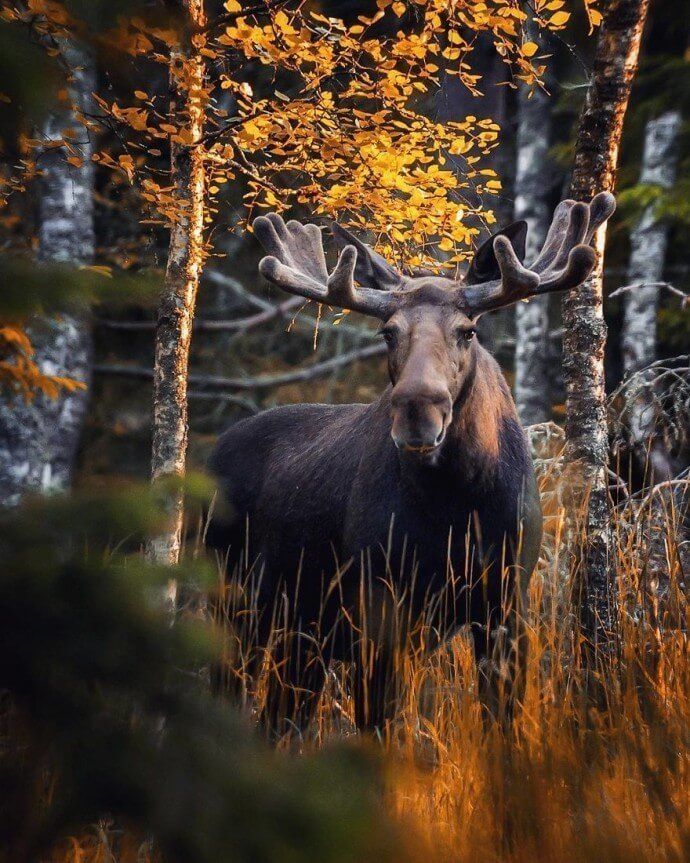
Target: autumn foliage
(350,135)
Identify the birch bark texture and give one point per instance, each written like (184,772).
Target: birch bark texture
(648,241)
(39,441)
(532,184)
(178,297)
(584,330)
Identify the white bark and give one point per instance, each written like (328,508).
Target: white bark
(648,245)
(532,183)
(178,297)
(38,441)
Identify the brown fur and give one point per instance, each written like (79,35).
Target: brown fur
(488,406)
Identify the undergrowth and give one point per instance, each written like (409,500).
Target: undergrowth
(594,763)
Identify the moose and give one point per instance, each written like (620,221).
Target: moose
(371,514)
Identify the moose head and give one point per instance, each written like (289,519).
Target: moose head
(429,322)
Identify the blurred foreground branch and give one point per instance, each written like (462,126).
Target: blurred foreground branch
(102,715)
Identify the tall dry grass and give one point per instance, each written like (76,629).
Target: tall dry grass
(594,764)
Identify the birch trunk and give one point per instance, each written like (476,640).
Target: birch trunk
(532,205)
(648,245)
(38,441)
(594,170)
(178,297)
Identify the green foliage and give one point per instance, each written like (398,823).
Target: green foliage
(28,81)
(106,713)
(674,328)
(30,288)
(672,205)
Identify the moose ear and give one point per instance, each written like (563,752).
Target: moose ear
(484,266)
(371,270)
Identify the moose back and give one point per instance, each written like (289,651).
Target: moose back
(358,521)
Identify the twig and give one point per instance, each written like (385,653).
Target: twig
(241,401)
(205,325)
(231,17)
(245,324)
(261,383)
(237,288)
(684,298)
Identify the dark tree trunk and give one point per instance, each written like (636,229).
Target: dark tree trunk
(38,441)
(594,170)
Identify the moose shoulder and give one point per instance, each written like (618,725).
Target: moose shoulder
(424,499)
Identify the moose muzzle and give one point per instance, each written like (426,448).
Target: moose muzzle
(420,418)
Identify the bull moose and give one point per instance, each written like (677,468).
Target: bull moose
(371,514)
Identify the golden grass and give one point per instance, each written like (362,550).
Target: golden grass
(571,777)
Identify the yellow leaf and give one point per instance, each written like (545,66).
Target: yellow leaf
(529,49)
(559,18)
(126,162)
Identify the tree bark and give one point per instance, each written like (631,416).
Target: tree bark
(584,329)
(648,245)
(178,297)
(38,441)
(532,205)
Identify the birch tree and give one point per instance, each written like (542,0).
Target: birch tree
(178,298)
(39,438)
(532,184)
(594,170)
(648,241)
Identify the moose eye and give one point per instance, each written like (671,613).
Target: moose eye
(388,336)
(466,335)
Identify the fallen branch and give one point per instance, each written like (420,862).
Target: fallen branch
(261,383)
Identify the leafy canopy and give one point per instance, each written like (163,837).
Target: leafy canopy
(295,108)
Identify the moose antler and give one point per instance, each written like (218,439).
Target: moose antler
(564,262)
(296,263)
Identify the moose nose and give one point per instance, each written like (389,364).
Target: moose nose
(420,417)
(417,400)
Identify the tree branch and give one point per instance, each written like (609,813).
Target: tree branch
(241,401)
(261,383)
(231,17)
(229,326)
(666,286)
